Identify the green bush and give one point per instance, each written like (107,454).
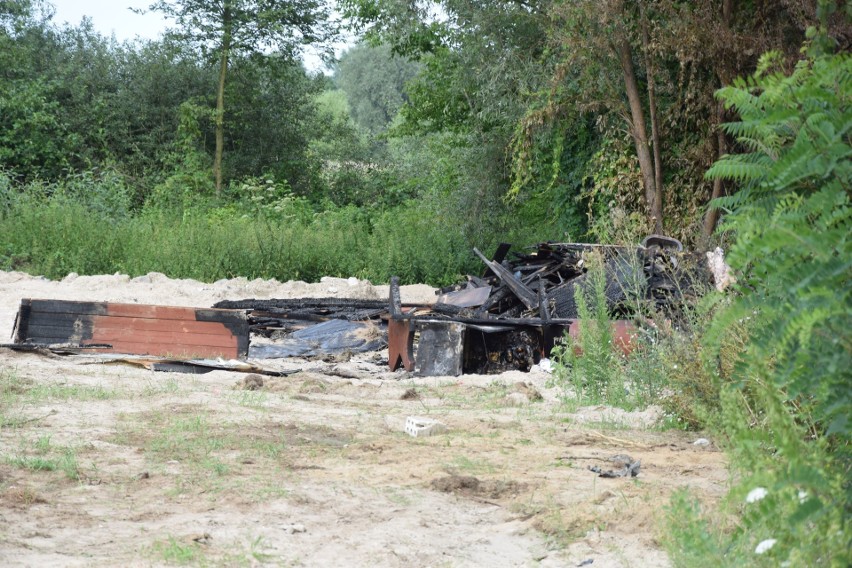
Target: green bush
(262,231)
(785,407)
(592,369)
(588,367)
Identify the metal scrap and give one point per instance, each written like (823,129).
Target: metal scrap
(629,467)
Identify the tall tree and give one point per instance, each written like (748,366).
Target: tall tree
(374,81)
(224,28)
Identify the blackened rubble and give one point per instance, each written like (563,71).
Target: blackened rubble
(508,317)
(540,282)
(514,312)
(313,327)
(269,316)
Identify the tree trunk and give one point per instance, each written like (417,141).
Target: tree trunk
(711,218)
(712,215)
(639,133)
(220,98)
(657,209)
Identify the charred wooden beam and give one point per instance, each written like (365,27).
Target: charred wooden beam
(523,293)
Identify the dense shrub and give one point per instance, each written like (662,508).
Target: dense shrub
(785,407)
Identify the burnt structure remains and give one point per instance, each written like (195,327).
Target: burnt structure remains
(508,317)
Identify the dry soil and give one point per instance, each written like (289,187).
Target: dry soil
(110,464)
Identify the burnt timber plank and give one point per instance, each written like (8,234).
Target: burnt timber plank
(169,350)
(523,293)
(22,322)
(67,323)
(179,332)
(499,257)
(130,333)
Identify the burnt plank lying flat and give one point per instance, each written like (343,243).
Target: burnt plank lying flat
(138,329)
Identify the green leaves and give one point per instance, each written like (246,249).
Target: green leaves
(786,409)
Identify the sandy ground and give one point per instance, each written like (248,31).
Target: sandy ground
(110,464)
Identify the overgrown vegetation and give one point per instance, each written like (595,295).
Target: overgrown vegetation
(55,229)
(458,123)
(785,405)
(768,370)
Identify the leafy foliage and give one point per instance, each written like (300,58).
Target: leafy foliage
(374,80)
(591,367)
(786,406)
(792,219)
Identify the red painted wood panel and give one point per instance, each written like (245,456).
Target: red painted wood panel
(137,329)
(220,337)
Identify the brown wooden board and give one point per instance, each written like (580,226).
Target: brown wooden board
(137,329)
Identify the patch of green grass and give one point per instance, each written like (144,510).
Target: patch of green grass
(42,445)
(265,489)
(15,389)
(34,463)
(250,399)
(471,466)
(272,449)
(172,551)
(168,386)
(66,392)
(216,466)
(63,459)
(187,438)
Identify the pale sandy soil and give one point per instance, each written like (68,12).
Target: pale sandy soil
(110,464)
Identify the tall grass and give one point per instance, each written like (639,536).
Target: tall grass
(58,229)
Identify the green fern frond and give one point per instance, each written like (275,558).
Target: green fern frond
(743,168)
(793,225)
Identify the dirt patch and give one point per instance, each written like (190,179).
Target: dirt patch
(112,464)
(314,384)
(470,486)
(21,497)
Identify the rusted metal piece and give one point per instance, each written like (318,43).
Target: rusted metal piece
(137,329)
(400,345)
(400,332)
(624,335)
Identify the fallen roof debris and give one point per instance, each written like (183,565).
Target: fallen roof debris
(512,315)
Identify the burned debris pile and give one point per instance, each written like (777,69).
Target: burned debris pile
(508,317)
(512,315)
(541,282)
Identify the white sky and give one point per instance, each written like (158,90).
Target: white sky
(114,17)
